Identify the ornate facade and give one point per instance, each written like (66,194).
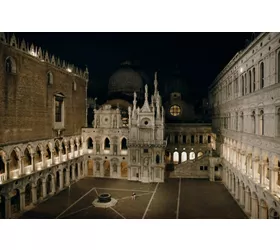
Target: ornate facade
(246,119)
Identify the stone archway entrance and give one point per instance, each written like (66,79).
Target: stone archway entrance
(28,195)
(15,201)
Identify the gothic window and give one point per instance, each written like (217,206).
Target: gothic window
(124,144)
(184,139)
(107,143)
(175,110)
(254,79)
(157,159)
(261,122)
(89,143)
(58,108)
(261,75)
(2,166)
(192,156)
(10,65)
(250,82)
(242,86)
(200,139)
(209,138)
(50,78)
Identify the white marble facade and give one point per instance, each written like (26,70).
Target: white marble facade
(133,151)
(245,100)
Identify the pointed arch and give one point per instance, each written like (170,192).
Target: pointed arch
(10,65)
(124,144)
(89,143)
(107,143)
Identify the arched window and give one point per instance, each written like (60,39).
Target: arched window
(200,139)
(183,156)
(2,166)
(63,148)
(89,143)
(242,79)
(124,144)
(254,79)
(278,67)
(253,122)
(176,139)
(107,143)
(192,156)
(175,157)
(184,139)
(250,82)
(10,65)
(261,123)
(192,139)
(56,148)
(27,158)
(50,78)
(261,75)
(157,159)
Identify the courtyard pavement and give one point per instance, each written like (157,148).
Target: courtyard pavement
(174,199)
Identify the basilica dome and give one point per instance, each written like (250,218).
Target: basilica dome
(125,80)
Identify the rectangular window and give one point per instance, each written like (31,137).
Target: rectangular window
(146,150)
(192,139)
(205,168)
(200,139)
(184,139)
(209,138)
(176,138)
(201,168)
(58,110)
(216,168)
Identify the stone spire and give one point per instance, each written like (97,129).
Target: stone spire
(156,85)
(146,106)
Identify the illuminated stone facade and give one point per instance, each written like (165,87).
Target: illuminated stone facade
(246,120)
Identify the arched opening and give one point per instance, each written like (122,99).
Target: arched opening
(183,156)
(49,184)
(273,214)
(2,207)
(192,156)
(81,169)
(14,165)
(48,154)
(106,166)
(39,189)
(89,143)
(75,146)
(76,171)
(27,158)
(64,177)
(124,169)
(38,155)
(15,201)
(71,173)
(175,157)
(57,180)
(176,139)
(107,144)
(56,149)
(63,148)
(10,65)
(261,123)
(250,82)
(69,147)
(2,166)
(261,75)
(157,159)
(124,144)
(253,122)
(28,195)
(199,155)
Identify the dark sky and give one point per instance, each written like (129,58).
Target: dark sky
(200,56)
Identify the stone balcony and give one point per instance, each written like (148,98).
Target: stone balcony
(27,169)
(14,174)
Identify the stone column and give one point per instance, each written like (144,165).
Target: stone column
(8,212)
(261,163)
(22,200)
(73,173)
(273,177)
(241,195)
(7,169)
(34,194)
(255,167)
(21,165)
(60,154)
(52,152)
(236,189)
(33,163)
(79,171)
(72,150)
(61,184)
(67,177)
(263,211)
(44,187)
(43,159)
(247,202)
(254,202)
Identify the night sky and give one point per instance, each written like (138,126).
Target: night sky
(200,56)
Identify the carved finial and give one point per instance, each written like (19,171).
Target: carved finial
(135,96)
(53,60)
(63,65)
(155,75)
(13,41)
(47,59)
(146,92)
(23,45)
(40,53)
(58,62)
